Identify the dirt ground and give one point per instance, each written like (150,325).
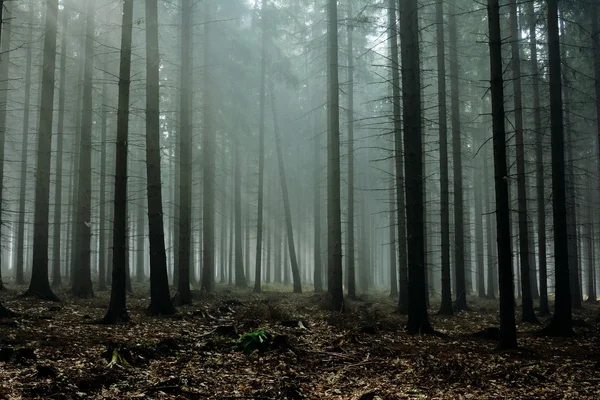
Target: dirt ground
(55,351)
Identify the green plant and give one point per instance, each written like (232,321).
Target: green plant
(258,340)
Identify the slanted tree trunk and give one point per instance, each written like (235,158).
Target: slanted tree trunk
(82,283)
(117,309)
(527,299)
(459,229)
(418,321)
(208,166)
(39,285)
(446,305)
(286,200)
(160,301)
(399,157)
(20,280)
(261,151)
(184,148)
(508,331)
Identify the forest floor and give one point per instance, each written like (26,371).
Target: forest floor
(54,351)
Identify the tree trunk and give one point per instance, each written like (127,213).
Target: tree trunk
(82,283)
(508,331)
(240,277)
(399,157)
(117,309)
(527,299)
(4,77)
(208,166)
(446,305)
(20,280)
(350,231)
(562,323)
(573,238)
(40,285)
(418,321)
(102,217)
(393,252)
(479,235)
(160,302)
(539,162)
(261,151)
(459,229)
(184,148)
(286,201)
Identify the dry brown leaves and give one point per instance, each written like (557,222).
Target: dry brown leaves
(364,354)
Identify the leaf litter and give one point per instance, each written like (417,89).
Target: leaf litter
(282,346)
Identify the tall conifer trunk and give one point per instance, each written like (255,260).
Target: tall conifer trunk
(39,285)
(160,302)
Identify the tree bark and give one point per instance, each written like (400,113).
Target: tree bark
(20,280)
(160,301)
(40,285)
(446,305)
(562,323)
(459,229)
(418,321)
(539,162)
(184,148)
(82,283)
(350,231)
(334,209)
(117,309)
(286,201)
(208,167)
(261,151)
(508,331)
(399,157)
(527,299)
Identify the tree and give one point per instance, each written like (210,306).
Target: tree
(539,162)
(350,270)
(4,75)
(286,201)
(82,283)
(446,305)
(208,167)
(459,213)
(508,331)
(527,299)
(261,150)
(117,309)
(160,301)
(20,279)
(40,285)
(418,321)
(184,295)
(399,157)
(562,320)
(334,210)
